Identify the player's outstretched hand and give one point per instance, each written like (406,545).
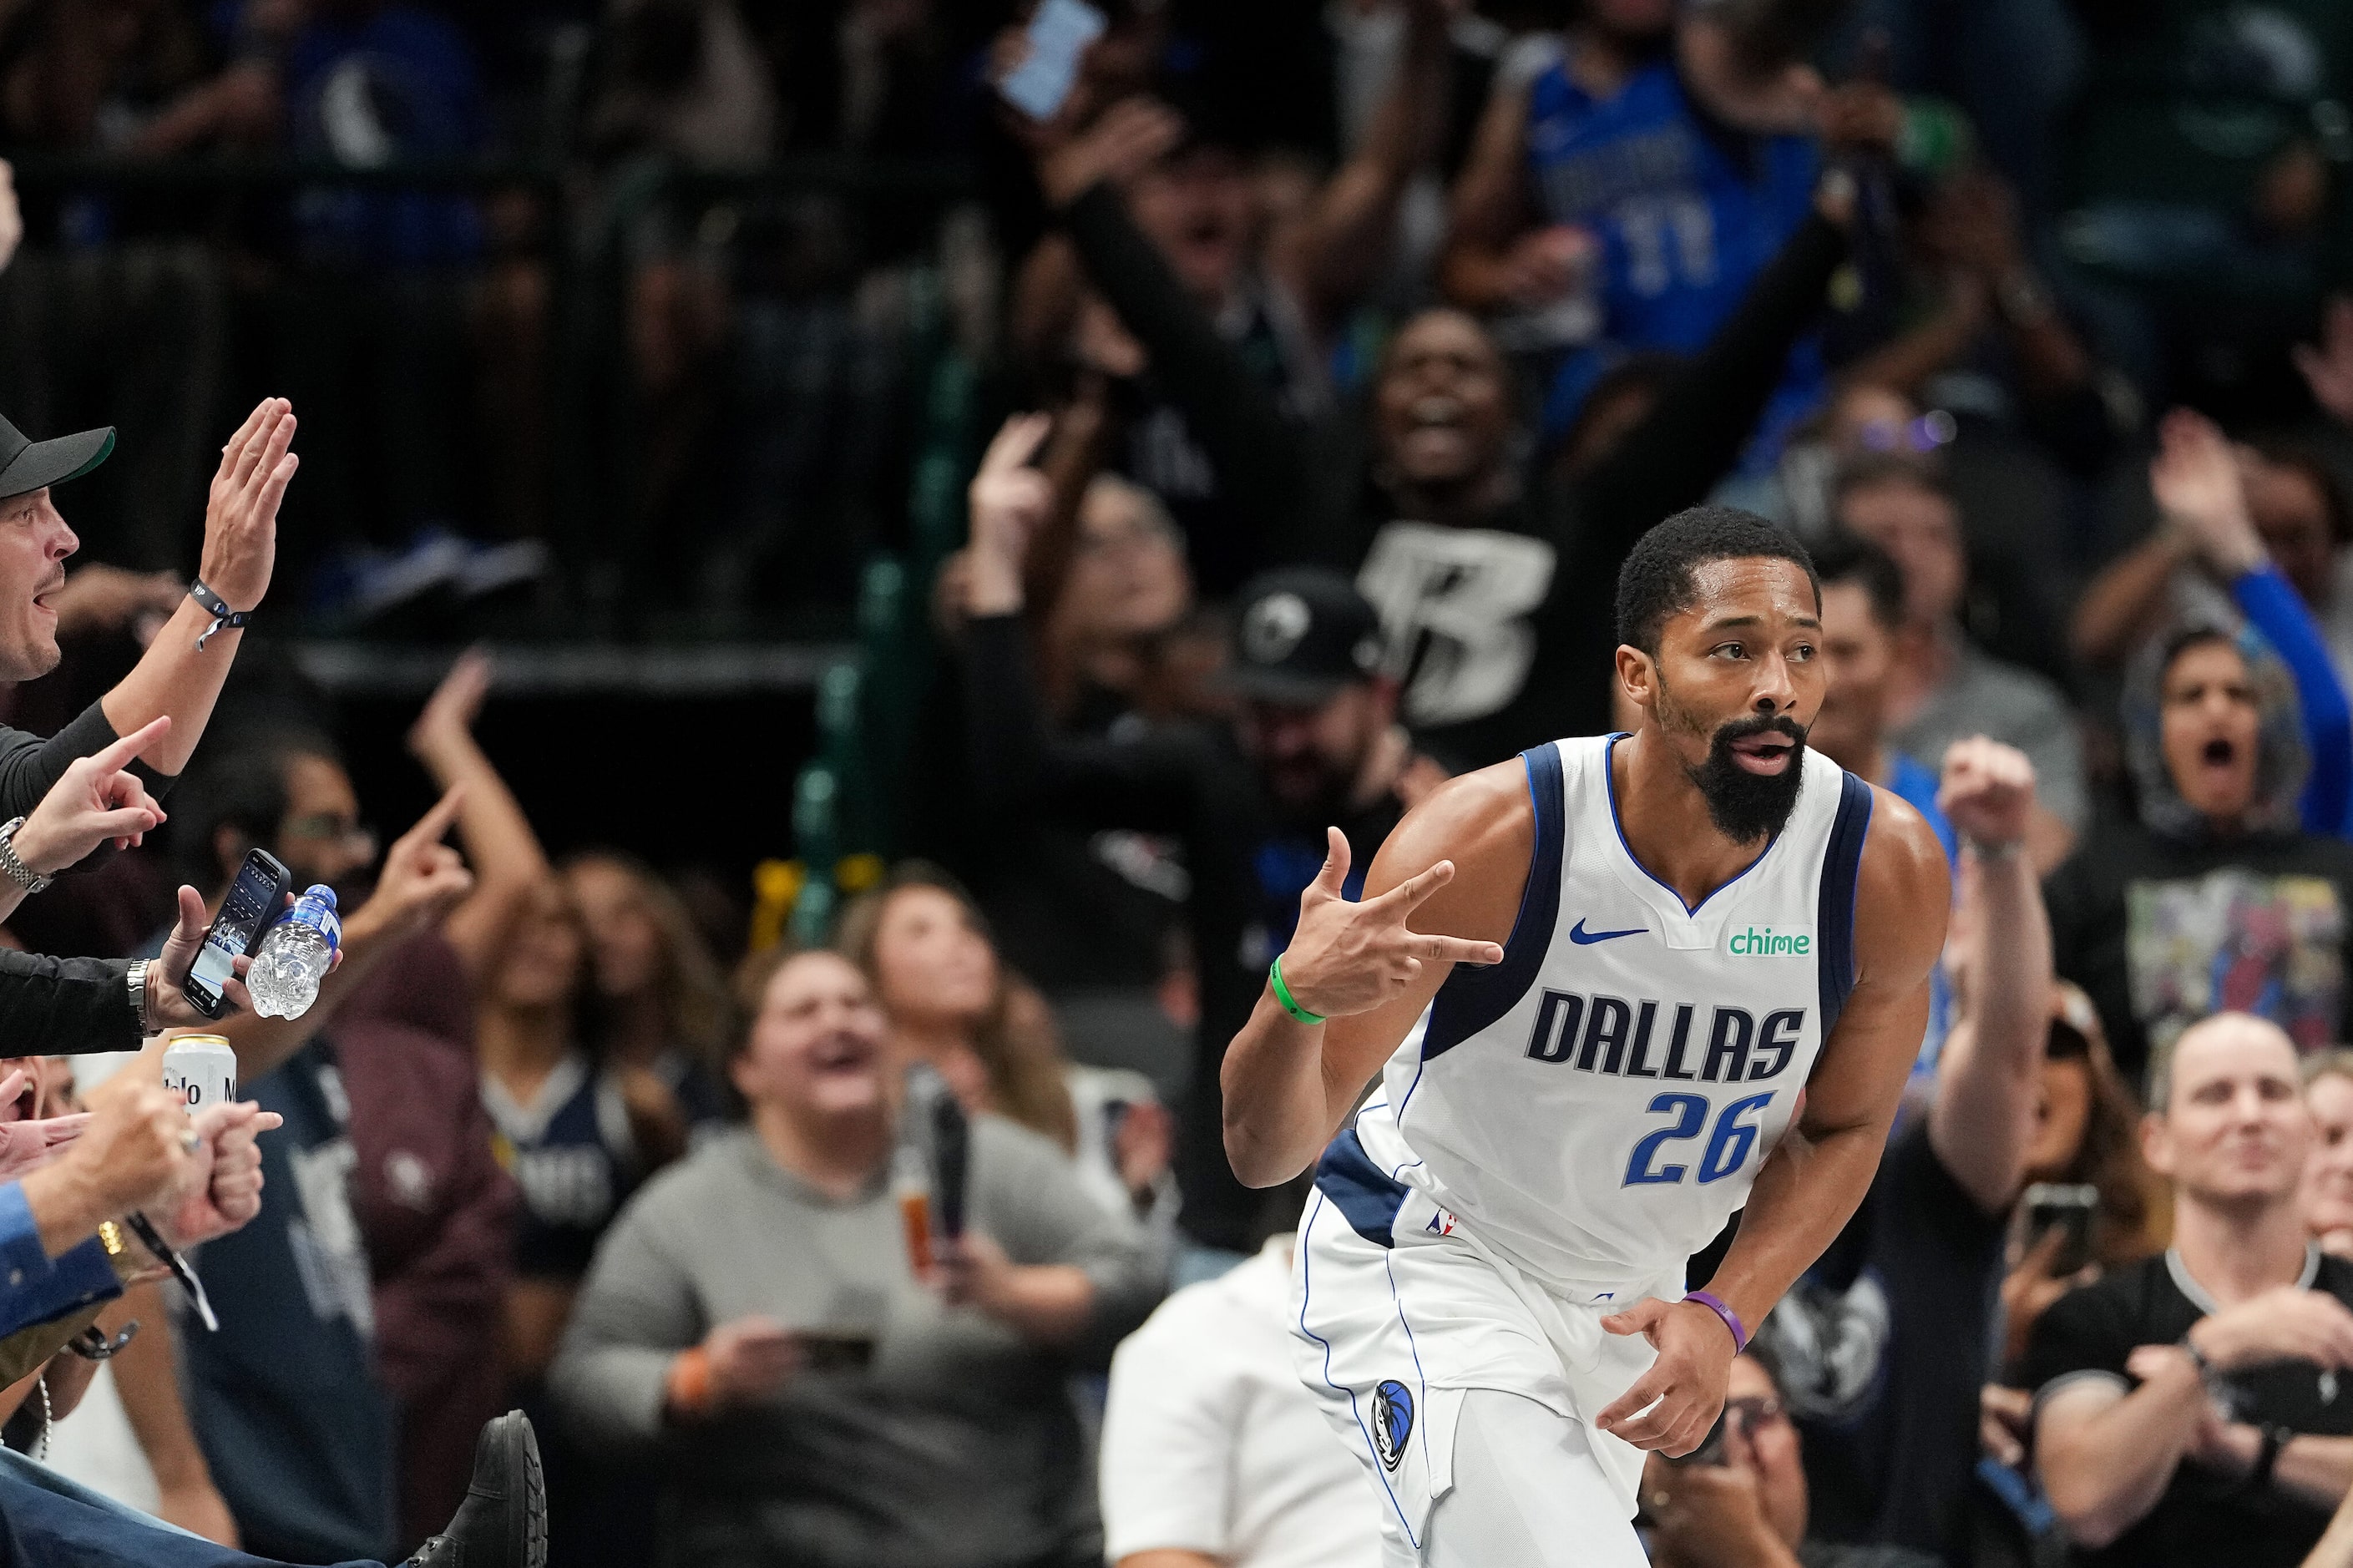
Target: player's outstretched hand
(1672,1407)
(1349,957)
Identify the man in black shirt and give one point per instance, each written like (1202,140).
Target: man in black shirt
(2198,1408)
(1313,742)
(1493,583)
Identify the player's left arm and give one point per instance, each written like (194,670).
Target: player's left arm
(1814,1179)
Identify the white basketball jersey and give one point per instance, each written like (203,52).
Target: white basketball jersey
(1595,1106)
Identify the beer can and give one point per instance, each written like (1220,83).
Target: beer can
(201,1069)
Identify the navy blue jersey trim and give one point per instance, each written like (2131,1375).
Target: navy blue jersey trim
(1366,1195)
(1834,920)
(1609,775)
(1473,998)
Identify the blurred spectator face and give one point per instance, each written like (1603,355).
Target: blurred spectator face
(2208,725)
(1858,652)
(49,1088)
(2234,1128)
(934,965)
(1311,757)
(320,838)
(1922,530)
(542,963)
(1199,207)
(1750,1397)
(816,1045)
(34,544)
(2329,1177)
(2063,1114)
(623,943)
(1128,576)
(1443,412)
(2288,509)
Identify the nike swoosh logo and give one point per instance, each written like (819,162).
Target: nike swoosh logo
(1584,938)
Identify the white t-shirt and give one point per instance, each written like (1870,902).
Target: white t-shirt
(1212,1445)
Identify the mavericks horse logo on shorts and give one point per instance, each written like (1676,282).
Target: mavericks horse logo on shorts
(1392,1420)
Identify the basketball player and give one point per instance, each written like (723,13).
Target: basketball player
(1690,974)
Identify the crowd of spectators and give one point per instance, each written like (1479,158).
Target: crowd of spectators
(1345,352)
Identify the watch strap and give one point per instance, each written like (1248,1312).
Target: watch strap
(134,980)
(15,871)
(223,618)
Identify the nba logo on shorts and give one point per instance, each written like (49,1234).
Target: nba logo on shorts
(1392,1420)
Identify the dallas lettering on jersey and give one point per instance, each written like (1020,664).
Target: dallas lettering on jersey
(1610,1034)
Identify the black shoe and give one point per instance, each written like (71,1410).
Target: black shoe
(502,1523)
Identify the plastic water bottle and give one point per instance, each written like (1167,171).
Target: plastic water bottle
(293,957)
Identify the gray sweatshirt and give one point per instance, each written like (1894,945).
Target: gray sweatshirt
(956,1447)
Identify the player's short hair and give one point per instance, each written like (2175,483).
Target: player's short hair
(1657,582)
(1842,557)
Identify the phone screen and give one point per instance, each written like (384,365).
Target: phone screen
(2065,1207)
(1059,34)
(253,901)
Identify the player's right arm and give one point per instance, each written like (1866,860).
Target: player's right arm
(1456,864)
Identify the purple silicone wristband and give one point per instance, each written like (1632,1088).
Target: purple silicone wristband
(1731,1319)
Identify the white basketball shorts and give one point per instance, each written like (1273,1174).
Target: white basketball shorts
(1397,1312)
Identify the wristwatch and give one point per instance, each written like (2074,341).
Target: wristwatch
(134,979)
(23,875)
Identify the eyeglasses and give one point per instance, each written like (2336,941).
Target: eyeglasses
(325,827)
(1752,1410)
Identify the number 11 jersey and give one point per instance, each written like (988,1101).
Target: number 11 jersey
(1595,1106)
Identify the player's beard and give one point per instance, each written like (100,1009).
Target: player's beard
(1745,806)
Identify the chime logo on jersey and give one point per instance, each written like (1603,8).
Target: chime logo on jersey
(1392,1420)
(1646,1039)
(1752,941)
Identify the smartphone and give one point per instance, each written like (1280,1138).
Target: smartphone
(952,1160)
(1059,34)
(2069,1207)
(256,898)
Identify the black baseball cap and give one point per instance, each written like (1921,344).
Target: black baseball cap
(26,465)
(1302,635)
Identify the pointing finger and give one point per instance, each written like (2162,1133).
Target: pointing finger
(114,758)
(435,823)
(1410,892)
(1017,441)
(1456,950)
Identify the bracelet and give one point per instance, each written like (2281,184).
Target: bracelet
(1994,854)
(223,618)
(1731,1319)
(1283,994)
(135,979)
(15,871)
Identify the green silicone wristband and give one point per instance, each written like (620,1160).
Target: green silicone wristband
(1283,994)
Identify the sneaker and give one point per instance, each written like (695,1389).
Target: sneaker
(502,1523)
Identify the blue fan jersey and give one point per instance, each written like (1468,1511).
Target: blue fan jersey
(1687,212)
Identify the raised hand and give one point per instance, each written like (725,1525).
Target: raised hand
(422,877)
(450,714)
(242,514)
(1987,793)
(2196,479)
(1671,1405)
(95,800)
(2328,369)
(2284,1323)
(1121,142)
(1347,958)
(1009,499)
